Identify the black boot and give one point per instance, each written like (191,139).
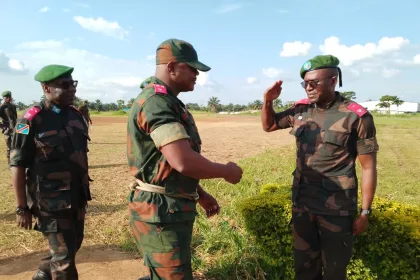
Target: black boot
(41,275)
(144,278)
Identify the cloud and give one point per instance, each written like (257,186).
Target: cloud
(251,80)
(48,44)
(44,9)
(296,48)
(151,57)
(272,72)
(416,59)
(100,25)
(11,65)
(348,55)
(99,76)
(228,8)
(389,72)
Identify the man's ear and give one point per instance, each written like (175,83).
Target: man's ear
(170,67)
(45,88)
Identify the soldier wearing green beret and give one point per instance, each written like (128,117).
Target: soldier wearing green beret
(84,109)
(50,171)
(331,133)
(8,116)
(163,150)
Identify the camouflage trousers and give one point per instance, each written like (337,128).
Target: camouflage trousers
(8,140)
(165,247)
(63,245)
(321,244)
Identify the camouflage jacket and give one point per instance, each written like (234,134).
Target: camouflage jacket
(328,142)
(8,115)
(85,112)
(158,117)
(51,144)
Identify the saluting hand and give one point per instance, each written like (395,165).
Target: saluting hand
(25,220)
(273,92)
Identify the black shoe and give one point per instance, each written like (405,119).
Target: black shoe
(144,278)
(41,275)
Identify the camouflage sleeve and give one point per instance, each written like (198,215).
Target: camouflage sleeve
(22,149)
(159,118)
(9,115)
(366,135)
(285,118)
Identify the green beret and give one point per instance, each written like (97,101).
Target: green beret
(320,62)
(52,72)
(6,93)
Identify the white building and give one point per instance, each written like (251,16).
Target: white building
(406,107)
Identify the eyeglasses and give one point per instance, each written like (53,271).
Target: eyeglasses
(313,83)
(65,84)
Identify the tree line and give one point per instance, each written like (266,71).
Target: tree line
(214,104)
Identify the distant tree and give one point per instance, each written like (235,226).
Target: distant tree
(349,95)
(214,104)
(98,105)
(130,102)
(257,105)
(387,100)
(193,106)
(21,106)
(120,104)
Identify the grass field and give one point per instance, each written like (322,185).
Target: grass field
(221,245)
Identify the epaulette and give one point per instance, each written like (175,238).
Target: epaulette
(77,110)
(31,113)
(357,108)
(304,101)
(160,89)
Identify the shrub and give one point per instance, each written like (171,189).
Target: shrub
(119,113)
(388,250)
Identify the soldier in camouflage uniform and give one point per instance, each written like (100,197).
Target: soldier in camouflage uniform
(8,115)
(84,109)
(163,150)
(331,132)
(49,160)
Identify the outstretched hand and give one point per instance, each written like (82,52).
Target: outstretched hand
(273,92)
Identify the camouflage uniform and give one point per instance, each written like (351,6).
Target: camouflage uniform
(8,115)
(325,184)
(50,143)
(84,109)
(162,223)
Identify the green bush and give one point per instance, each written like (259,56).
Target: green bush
(388,250)
(119,113)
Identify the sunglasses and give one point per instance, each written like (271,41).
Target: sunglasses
(313,83)
(65,84)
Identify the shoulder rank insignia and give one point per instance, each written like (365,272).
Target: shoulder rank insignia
(358,109)
(160,89)
(31,113)
(303,101)
(22,128)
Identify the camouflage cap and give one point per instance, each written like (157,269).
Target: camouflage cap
(52,72)
(6,93)
(321,62)
(174,50)
(85,101)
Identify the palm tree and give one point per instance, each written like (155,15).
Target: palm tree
(214,104)
(397,102)
(257,105)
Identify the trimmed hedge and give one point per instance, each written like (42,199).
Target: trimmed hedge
(390,249)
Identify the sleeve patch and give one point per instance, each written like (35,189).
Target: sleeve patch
(160,89)
(303,101)
(168,133)
(31,113)
(22,128)
(358,109)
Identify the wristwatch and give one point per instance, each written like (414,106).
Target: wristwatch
(21,211)
(367,212)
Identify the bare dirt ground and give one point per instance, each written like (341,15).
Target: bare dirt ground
(225,138)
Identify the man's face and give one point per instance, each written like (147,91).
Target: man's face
(7,99)
(319,84)
(184,76)
(61,91)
